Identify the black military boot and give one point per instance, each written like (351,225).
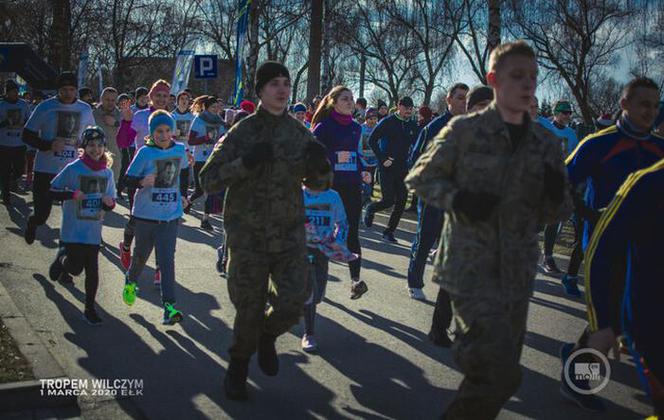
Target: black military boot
(235,382)
(267,355)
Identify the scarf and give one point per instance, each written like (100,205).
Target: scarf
(626,126)
(95,165)
(341,118)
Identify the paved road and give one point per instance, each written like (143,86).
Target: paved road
(374,362)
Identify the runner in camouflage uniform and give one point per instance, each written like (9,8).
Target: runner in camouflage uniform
(500,178)
(262,162)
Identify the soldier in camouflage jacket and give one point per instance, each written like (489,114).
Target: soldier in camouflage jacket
(262,162)
(499,183)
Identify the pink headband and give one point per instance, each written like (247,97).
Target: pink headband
(159,87)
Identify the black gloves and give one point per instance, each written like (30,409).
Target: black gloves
(475,207)
(259,153)
(554,184)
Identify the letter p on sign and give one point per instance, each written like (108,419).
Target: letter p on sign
(205,66)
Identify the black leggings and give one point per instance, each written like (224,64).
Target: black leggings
(351,195)
(12,166)
(78,257)
(41,198)
(127,155)
(394,194)
(198,190)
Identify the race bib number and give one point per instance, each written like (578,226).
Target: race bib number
(323,221)
(66,154)
(164,197)
(346,161)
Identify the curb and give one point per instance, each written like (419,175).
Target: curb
(26,395)
(15,396)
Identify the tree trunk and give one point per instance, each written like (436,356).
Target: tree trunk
(493,39)
(315,41)
(252,57)
(296,82)
(60,42)
(363,70)
(326,74)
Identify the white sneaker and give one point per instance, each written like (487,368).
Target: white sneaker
(416,294)
(309,344)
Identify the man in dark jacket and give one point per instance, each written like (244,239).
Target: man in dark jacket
(396,134)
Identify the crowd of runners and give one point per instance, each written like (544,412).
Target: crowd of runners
(294,182)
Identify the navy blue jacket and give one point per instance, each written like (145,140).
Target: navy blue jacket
(396,137)
(429,131)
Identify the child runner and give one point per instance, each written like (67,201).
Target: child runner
(326,228)
(206,129)
(367,156)
(134,129)
(156,173)
(87,189)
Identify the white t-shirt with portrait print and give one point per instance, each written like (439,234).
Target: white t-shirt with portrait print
(12,118)
(53,120)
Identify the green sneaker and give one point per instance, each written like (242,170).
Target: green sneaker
(171,315)
(129,293)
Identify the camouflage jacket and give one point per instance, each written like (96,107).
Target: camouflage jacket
(263,208)
(474,153)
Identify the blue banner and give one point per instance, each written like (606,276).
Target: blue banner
(242,25)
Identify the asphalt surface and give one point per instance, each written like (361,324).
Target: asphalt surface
(375,361)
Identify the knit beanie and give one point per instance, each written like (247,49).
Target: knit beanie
(268,71)
(159,86)
(161,117)
(67,78)
(248,106)
(140,91)
(371,112)
(299,107)
(478,94)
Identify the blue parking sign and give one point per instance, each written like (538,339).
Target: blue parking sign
(205,66)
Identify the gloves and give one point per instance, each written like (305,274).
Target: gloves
(259,153)
(475,207)
(554,184)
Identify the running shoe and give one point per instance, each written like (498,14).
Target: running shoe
(570,285)
(171,315)
(357,289)
(206,225)
(389,237)
(129,293)
(309,344)
(549,265)
(416,294)
(91,317)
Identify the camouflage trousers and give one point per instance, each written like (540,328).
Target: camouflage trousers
(255,279)
(487,350)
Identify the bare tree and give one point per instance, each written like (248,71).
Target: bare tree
(480,32)
(433,28)
(576,39)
